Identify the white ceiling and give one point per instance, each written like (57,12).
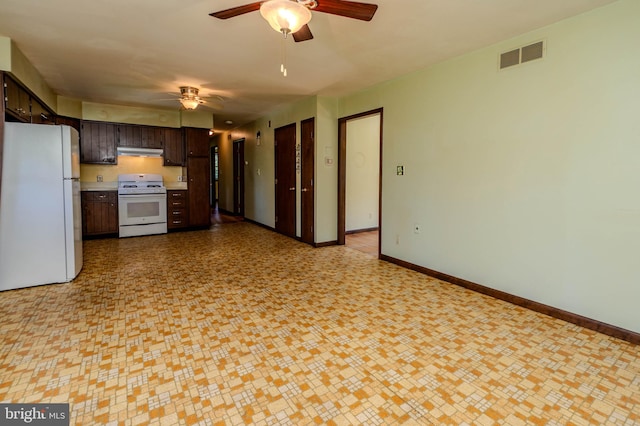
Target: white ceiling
(133,52)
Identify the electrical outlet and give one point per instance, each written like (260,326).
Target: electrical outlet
(180,178)
(99,178)
(400,170)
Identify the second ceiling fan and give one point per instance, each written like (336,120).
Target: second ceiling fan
(292,16)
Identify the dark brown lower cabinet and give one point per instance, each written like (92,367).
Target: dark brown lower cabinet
(198,194)
(99,213)
(177,216)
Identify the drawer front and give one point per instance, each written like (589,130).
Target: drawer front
(176,203)
(177,209)
(176,195)
(106,196)
(177,219)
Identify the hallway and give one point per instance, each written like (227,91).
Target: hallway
(240,325)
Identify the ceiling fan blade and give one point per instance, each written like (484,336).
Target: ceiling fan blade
(349,9)
(236,11)
(303,34)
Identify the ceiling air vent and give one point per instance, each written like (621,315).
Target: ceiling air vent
(522,55)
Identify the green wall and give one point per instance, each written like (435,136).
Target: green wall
(525,180)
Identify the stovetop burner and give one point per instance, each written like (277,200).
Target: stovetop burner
(142,183)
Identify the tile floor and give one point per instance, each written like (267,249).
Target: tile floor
(239,325)
(366,242)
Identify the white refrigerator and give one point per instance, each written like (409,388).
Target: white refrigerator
(40,214)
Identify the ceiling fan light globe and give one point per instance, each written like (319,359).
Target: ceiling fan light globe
(189,103)
(285,16)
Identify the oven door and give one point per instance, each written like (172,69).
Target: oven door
(142,209)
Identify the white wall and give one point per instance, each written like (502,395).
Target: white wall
(326,182)
(527,179)
(362,170)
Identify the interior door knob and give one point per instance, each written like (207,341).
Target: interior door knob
(304,189)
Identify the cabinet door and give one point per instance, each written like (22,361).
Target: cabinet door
(173,147)
(151,137)
(129,136)
(198,193)
(197,142)
(98,142)
(40,114)
(16,100)
(99,213)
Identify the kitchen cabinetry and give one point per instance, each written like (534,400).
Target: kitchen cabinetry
(198,174)
(40,114)
(98,142)
(129,136)
(21,105)
(197,142)
(17,100)
(135,136)
(173,147)
(198,194)
(177,213)
(99,213)
(151,137)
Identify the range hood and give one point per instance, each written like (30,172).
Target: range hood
(139,152)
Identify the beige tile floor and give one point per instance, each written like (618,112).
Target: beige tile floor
(239,325)
(366,242)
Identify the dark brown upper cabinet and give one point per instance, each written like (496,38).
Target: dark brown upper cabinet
(173,147)
(17,101)
(129,135)
(197,142)
(98,142)
(136,136)
(40,114)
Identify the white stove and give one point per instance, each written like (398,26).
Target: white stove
(142,205)
(144,183)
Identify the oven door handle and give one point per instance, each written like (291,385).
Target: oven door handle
(157,195)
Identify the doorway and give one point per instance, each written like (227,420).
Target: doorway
(360,206)
(285,179)
(238,177)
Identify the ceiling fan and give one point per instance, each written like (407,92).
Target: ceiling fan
(292,16)
(190,99)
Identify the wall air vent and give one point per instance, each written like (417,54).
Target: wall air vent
(522,55)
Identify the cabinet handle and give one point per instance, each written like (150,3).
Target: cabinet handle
(176,222)
(177,213)
(176,204)
(102,196)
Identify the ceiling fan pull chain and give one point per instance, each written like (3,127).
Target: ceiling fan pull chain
(283,53)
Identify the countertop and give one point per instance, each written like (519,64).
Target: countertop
(113,186)
(98,186)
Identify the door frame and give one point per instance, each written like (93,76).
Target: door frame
(238,177)
(307,189)
(213,193)
(342,175)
